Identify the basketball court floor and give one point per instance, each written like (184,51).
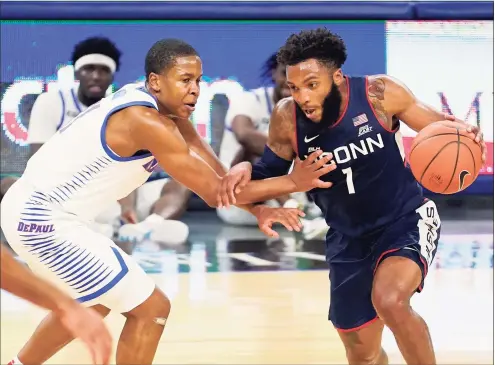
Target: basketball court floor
(240,299)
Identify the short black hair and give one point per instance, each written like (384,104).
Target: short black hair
(268,67)
(164,53)
(320,44)
(99,45)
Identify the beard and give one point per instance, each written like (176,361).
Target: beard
(331,107)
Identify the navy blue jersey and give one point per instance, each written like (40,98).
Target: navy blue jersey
(372,185)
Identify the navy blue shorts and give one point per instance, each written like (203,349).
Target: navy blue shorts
(354,260)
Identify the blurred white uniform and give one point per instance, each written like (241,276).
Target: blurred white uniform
(51,111)
(72,178)
(256,104)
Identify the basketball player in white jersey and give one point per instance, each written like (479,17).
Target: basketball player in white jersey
(82,322)
(103,155)
(244,139)
(95,61)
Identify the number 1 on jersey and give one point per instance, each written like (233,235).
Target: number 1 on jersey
(350,183)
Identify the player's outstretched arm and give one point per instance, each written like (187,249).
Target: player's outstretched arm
(265,215)
(390,97)
(160,135)
(276,161)
(83,323)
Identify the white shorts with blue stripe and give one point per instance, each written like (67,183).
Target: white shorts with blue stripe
(67,253)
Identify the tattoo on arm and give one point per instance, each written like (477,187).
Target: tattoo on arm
(376,95)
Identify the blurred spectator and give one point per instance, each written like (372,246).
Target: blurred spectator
(245,137)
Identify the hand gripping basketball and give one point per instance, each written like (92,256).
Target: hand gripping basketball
(446,157)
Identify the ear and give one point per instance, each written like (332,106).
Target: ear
(338,77)
(154,82)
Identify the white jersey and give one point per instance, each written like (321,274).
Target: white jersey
(76,172)
(256,104)
(52,110)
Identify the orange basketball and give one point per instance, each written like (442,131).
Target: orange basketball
(444,159)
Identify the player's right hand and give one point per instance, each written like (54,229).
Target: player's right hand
(306,174)
(233,183)
(88,326)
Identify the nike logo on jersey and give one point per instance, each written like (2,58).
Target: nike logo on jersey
(364,129)
(307,140)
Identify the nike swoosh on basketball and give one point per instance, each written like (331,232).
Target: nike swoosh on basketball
(462,177)
(306,139)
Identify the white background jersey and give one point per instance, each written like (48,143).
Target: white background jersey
(76,171)
(256,104)
(52,110)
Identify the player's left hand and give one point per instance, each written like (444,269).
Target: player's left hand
(475,133)
(267,216)
(233,183)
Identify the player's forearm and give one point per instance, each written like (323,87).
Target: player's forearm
(262,190)
(204,150)
(18,280)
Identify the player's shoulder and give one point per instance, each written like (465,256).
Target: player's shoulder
(251,96)
(262,92)
(135,94)
(51,96)
(389,89)
(383,81)
(285,109)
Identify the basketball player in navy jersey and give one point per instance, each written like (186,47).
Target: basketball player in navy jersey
(383,233)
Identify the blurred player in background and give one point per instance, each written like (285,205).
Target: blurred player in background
(101,156)
(383,233)
(244,139)
(81,322)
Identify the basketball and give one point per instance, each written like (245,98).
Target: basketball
(444,158)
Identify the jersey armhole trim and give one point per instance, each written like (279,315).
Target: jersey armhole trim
(63,110)
(145,91)
(103,140)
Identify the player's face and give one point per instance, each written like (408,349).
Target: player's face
(178,87)
(280,80)
(94,81)
(313,85)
